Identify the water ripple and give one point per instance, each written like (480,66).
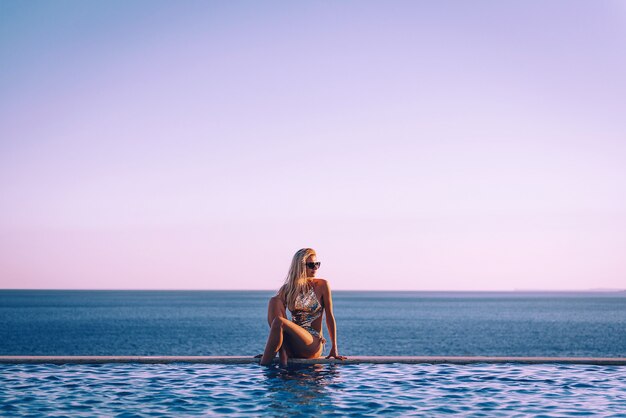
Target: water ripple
(302,390)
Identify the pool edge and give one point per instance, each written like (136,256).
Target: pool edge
(618,361)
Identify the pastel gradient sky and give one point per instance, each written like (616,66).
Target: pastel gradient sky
(444,145)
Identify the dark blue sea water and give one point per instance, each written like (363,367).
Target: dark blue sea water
(368,323)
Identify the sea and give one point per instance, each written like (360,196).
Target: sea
(40,322)
(369,323)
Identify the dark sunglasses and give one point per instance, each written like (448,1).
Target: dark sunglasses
(315,265)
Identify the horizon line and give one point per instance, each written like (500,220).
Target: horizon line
(594,290)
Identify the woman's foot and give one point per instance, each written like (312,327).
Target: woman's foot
(282,355)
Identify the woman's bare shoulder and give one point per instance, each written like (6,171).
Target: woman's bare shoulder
(321,283)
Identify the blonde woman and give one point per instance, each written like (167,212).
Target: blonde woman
(306,298)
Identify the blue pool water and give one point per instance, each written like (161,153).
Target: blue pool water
(339,390)
(368,323)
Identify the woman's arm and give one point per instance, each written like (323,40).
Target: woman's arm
(330,320)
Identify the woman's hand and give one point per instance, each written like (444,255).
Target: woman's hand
(333,353)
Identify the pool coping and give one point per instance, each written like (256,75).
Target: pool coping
(618,361)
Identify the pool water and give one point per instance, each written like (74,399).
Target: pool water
(351,389)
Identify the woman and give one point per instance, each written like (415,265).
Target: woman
(306,297)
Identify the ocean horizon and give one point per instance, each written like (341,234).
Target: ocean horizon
(389,323)
(590,290)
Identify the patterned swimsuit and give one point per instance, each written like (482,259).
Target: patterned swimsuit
(307,309)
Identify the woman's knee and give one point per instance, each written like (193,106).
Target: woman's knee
(276,301)
(278,322)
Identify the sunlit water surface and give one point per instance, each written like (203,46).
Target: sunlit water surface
(355,389)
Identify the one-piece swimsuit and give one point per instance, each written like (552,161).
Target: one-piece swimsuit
(307,309)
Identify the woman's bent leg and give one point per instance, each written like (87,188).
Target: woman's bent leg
(302,343)
(276,309)
(290,339)
(274,341)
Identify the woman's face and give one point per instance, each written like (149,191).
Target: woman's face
(311,270)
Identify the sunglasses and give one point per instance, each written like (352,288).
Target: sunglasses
(315,265)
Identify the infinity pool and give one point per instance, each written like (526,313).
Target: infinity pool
(350,389)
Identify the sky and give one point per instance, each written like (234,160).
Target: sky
(416,145)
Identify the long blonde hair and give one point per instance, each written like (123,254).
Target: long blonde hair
(296,282)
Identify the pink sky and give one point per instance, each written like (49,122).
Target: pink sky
(415,145)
